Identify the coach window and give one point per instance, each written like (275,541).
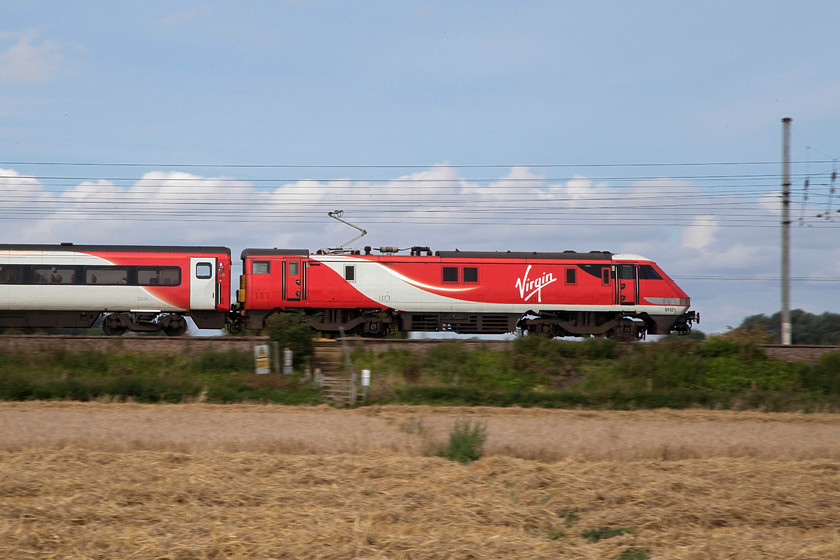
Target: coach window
(169,276)
(204,271)
(53,275)
(260,267)
(450,274)
(350,272)
(571,277)
(471,274)
(10,274)
(110,276)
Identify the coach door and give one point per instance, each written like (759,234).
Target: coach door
(294,280)
(203,286)
(627,284)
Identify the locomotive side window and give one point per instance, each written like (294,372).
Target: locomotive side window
(350,272)
(203,271)
(293,268)
(11,274)
(450,274)
(260,267)
(605,276)
(169,276)
(112,276)
(471,274)
(571,277)
(53,275)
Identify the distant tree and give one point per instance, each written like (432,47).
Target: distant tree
(754,333)
(806,328)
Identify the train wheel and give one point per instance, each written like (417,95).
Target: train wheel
(112,325)
(373,329)
(175,326)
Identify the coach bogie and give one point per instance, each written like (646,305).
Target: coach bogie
(115,324)
(173,324)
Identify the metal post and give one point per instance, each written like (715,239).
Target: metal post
(786,326)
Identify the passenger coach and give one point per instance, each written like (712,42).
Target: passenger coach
(139,288)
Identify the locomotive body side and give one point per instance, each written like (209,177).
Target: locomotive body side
(561,294)
(142,288)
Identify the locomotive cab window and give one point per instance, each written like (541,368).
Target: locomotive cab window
(350,272)
(450,274)
(647,272)
(293,268)
(260,267)
(571,276)
(203,271)
(605,276)
(471,274)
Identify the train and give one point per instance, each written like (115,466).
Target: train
(369,292)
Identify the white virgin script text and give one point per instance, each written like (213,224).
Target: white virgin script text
(528,288)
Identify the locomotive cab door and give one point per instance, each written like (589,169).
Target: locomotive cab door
(203,285)
(294,288)
(628,284)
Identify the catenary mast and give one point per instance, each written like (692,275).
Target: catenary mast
(786,326)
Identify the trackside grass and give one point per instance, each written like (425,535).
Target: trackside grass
(537,372)
(224,377)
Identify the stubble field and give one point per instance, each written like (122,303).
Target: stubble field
(93,480)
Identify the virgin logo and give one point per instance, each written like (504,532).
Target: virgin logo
(528,287)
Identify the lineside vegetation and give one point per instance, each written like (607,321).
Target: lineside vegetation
(717,373)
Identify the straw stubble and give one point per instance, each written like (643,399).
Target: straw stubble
(198,481)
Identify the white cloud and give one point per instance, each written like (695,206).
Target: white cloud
(579,187)
(701,232)
(772,202)
(29,61)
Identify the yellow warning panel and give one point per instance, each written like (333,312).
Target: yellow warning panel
(261,359)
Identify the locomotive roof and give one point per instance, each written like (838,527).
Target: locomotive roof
(70,247)
(565,255)
(591,255)
(267,252)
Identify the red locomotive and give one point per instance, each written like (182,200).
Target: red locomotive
(140,288)
(150,289)
(558,294)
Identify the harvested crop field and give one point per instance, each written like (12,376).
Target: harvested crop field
(91,480)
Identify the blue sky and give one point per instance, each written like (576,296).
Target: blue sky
(492,125)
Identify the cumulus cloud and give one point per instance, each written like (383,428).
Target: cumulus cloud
(24,59)
(701,232)
(772,202)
